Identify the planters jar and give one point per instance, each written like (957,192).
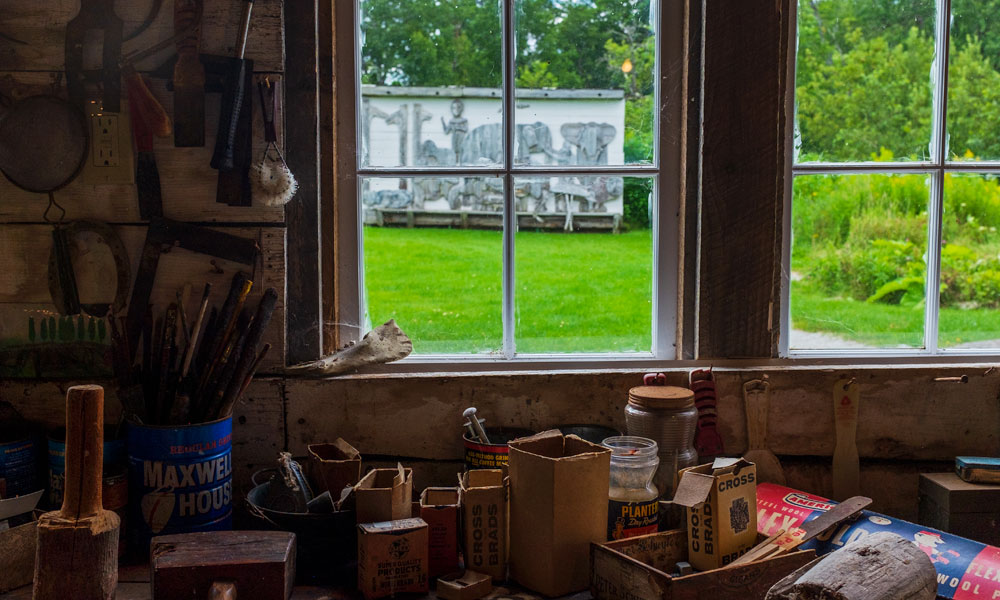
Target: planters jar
(666,415)
(633,500)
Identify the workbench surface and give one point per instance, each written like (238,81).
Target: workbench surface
(133,584)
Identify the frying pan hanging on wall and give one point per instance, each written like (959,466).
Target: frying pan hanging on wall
(44,142)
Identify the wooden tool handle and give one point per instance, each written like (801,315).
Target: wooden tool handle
(757,402)
(222,590)
(846,463)
(84,451)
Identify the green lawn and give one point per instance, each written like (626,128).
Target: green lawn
(887,325)
(574,292)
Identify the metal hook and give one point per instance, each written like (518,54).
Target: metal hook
(52,202)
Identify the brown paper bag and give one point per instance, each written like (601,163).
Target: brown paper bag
(334,466)
(384,495)
(558,506)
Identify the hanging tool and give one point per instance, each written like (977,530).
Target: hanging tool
(846,464)
(62,276)
(148,118)
(233,99)
(77,554)
(707,440)
(271,180)
(757,399)
(95,15)
(189,76)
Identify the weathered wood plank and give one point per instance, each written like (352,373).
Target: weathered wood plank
(24,254)
(305,337)
(742,178)
(42,26)
(187,181)
(904,415)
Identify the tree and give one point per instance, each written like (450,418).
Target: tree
(874,96)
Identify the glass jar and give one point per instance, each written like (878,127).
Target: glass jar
(666,415)
(633,500)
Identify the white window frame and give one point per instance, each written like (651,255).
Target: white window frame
(667,173)
(935,169)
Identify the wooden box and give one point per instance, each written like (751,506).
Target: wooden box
(261,563)
(970,510)
(17,554)
(639,569)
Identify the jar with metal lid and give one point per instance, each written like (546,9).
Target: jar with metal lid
(633,500)
(666,415)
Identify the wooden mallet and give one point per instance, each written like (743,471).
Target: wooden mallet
(77,555)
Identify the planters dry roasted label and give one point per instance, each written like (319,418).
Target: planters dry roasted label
(630,519)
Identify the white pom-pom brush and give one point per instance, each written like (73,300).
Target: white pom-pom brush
(271,181)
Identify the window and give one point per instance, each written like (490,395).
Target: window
(513,200)
(895,210)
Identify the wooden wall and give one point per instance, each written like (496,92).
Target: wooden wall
(188,183)
(909,423)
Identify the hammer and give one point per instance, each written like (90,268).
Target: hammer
(77,554)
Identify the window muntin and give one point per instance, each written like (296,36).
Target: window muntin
(891,206)
(567,160)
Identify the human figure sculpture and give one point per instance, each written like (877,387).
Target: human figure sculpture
(458,127)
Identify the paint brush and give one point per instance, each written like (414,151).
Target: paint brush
(195,330)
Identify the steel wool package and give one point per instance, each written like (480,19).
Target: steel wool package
(967,570)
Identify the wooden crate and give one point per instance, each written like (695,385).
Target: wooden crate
(970,510)
(639,569)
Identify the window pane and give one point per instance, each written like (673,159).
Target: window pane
(970,262)
(858,264)
(863,88)
(579,286)
(584,84)
(431,73)
(974,81)
(437,271)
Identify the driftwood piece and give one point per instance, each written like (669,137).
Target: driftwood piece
(385,343)
(881,566)
(77,554)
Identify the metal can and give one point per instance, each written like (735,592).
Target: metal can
(668,416)
(180,479)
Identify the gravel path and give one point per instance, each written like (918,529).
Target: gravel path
(814,340)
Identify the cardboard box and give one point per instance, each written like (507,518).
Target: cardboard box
(464,586)
(334,466)
(721,501)
(439,507)
(970,510)
(484,519)
(640,568)
(17,553)
(392,558)
(384,495)
(558,507)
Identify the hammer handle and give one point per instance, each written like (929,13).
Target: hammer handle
(84,451)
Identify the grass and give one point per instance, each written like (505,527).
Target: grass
(886,325)
(579,292)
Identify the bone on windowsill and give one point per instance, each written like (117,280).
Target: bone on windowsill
(384,344)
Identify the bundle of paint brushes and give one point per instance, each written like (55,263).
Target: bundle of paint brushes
(194,372)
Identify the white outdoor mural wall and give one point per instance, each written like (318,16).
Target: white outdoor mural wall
(462,126)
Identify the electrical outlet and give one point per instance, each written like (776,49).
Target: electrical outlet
(111,161)
(105,150)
